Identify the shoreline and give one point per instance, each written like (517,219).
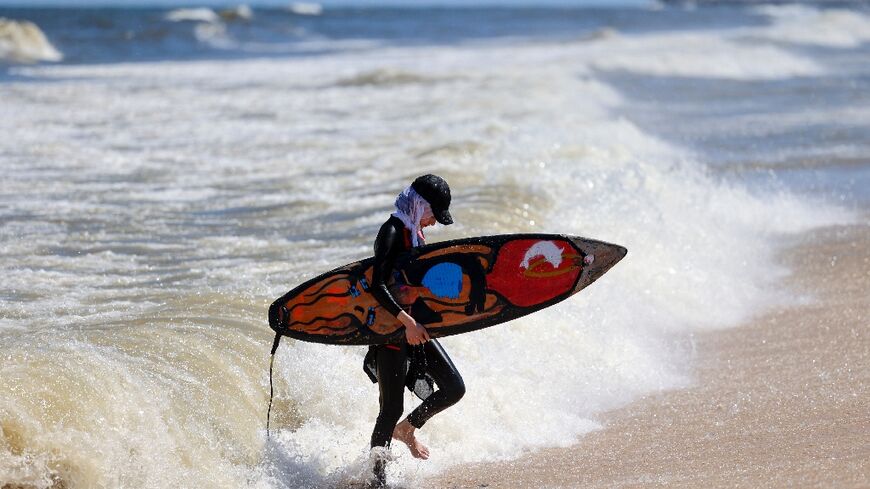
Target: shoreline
(780,401)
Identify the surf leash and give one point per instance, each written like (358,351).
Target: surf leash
(271,388)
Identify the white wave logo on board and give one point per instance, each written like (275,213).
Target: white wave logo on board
(548,249)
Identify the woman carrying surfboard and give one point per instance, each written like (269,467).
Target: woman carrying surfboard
(450,287)
(422,204)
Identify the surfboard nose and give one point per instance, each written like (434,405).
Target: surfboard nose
(606,256)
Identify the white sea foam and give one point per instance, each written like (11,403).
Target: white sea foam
(240,12)
(201,14)
(214,34)
(146,233)
(700,55)
(802,24)
(24,42)
(305,8)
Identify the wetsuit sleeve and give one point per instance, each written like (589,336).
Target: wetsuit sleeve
(388,244)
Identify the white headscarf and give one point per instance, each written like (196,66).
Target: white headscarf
(410,208)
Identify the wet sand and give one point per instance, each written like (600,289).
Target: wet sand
(783,401)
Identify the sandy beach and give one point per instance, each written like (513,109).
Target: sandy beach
(784,401)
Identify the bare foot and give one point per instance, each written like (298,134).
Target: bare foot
(404,432)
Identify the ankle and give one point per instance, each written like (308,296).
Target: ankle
(405,427)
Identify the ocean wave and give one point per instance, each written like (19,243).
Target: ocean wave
(700,55)
(213,28)
(452,149)
(240,12)
(214,34)
(601,34)
(305,8)
(24,42)
(384,77)
(801,24)
(202,14)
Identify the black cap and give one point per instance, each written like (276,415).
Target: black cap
(437,193)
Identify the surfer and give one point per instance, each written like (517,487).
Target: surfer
(422,204)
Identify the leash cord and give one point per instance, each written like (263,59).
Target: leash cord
(271,387)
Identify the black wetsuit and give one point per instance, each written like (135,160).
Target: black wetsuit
(391,360)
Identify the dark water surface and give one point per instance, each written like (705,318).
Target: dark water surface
(106,35)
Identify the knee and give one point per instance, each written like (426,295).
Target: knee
(455,390)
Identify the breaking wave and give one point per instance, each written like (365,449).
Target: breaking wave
(24,42)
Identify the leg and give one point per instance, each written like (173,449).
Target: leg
(391,367)
(391,383)
(451,387)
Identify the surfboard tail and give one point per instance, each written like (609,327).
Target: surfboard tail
(276,318)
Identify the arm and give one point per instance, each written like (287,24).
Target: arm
(388,245)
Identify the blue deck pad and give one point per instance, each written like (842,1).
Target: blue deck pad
(444,280)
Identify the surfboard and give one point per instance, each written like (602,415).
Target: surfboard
(451,287)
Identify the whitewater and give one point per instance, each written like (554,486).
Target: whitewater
(150,212)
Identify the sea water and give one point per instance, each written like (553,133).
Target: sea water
(170,178)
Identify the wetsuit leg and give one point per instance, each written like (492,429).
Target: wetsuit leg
(451,388)
(392,368)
